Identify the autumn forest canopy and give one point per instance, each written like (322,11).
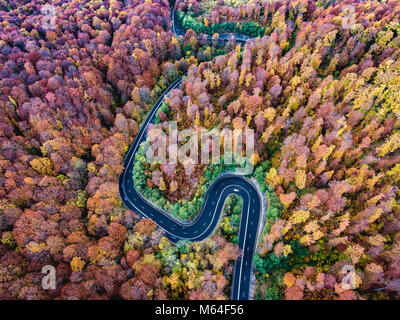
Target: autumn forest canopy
(317,81)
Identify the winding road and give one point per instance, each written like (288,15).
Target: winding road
(209,215)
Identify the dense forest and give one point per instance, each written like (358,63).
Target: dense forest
(72,99)
(323,100)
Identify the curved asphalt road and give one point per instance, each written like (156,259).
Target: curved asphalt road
(207,219)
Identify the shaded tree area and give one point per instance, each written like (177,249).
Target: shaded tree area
(244,17)
(229,226)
